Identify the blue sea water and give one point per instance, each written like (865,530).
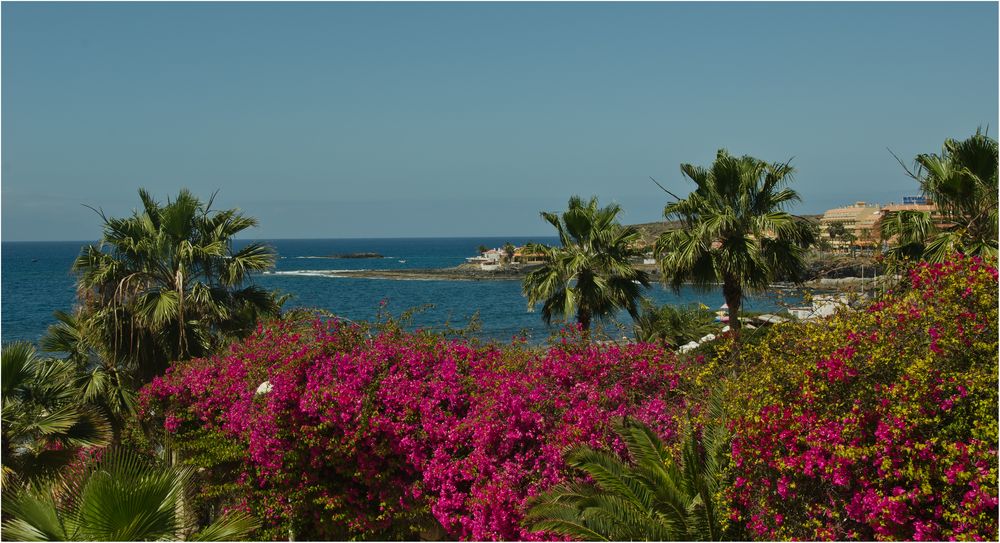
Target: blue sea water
(35,280)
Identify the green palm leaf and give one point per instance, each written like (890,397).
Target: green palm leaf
(231,527)
(18,365)
(124,499)
(32,515)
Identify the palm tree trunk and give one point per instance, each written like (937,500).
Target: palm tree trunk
(181,340)
(583,317)
(733,294)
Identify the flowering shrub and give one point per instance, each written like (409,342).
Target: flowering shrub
(875,425)
(395,435)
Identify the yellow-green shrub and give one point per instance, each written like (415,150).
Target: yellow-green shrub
(879,424)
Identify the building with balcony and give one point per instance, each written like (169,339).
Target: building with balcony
(860,223)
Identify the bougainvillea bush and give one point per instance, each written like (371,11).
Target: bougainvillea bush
(330,430)
(875,425)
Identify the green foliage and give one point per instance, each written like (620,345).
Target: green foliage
(103,383)
(591,273)
(652,498)
(165,284)
(734,229)
(217,461)
(674,325)
(962,182)
(836,230)
(122,497)
(45,418)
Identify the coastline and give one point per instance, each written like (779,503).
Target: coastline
(462,272)
(466,272)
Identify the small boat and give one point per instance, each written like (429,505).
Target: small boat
(402,262)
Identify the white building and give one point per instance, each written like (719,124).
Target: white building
(823,305)
(489,260)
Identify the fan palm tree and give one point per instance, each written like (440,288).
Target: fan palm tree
(962,183)
(122,497)
(654,498)
(591,273)
(673,325)
(734,230)
(166,284)
(45,420)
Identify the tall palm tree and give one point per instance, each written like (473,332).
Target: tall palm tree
(734,230)
(962,182)
(591,273)
(166,284)
(122,497)
(45,419)
(654,498)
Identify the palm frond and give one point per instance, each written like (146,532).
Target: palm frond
(231,527)
(17,362)
(32,515)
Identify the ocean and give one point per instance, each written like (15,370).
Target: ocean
(35,280)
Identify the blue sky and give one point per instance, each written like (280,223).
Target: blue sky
(384,120)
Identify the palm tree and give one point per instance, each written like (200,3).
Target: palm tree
(962,182)
(673,325)
(508,251)
(836,230)
(45,419)
(123,497)
(734,230)
(591,273)
(166,284)
(653,499)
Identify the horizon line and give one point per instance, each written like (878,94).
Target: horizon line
(307,238)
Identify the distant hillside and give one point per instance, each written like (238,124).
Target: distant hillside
(651,230)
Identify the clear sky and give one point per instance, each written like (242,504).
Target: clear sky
(385,120)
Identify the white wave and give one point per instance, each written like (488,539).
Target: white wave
(313,273)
